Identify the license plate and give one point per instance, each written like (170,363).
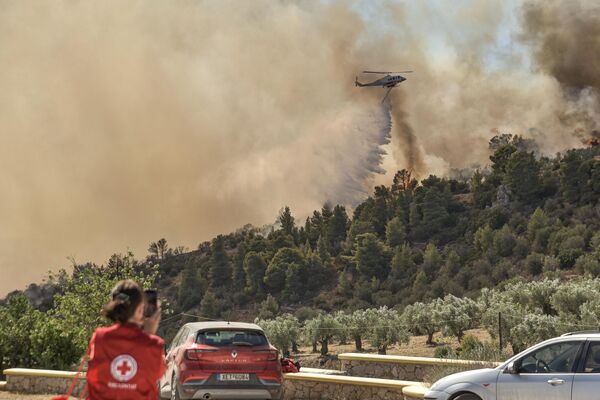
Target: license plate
(234,377)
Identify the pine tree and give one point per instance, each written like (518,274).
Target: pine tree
(238,276)
(190,290)
(209,307)
(372,257)
(522,176)
(288,224)
(403,265)
(395,233)
(220,268)
(336,229)
(254,268)
(268,309)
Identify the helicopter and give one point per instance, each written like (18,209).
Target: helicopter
(389,81)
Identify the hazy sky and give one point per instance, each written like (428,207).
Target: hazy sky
(124,122)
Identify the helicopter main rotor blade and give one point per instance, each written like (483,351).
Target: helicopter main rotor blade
(386,72)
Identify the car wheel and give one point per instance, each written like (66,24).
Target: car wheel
(467,396)
(174,391)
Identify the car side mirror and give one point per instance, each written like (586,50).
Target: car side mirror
(512,368)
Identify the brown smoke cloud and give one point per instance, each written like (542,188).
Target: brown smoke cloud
(564,39)
(126,122)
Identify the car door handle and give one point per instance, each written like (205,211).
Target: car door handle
(556,381)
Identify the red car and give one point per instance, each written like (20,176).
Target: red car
(221,360)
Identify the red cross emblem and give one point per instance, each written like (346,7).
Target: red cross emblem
(123,368)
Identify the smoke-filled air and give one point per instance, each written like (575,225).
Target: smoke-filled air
(125,122)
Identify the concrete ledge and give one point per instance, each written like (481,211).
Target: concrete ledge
(376,358)
(2,385)
(350,380)
(414,392)
(43,373)
(322,371)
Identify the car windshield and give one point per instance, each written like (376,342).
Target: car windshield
(228,337)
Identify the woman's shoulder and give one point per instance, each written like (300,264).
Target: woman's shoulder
(104,330)
(152,340)
(156,340)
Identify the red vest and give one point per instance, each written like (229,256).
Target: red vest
(125,364)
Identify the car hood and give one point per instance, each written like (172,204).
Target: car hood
(477,376)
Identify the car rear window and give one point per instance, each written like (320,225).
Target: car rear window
(228,337)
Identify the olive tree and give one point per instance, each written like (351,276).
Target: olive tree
(321,329)
(420,319)
(282,331)
(386,329)
(456,315)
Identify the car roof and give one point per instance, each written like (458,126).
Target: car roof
(582,334)
(198,326)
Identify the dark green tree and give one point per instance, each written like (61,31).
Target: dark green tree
(288,224)
(209,306)
(522,176)
(255,268)
(238,276)
(220,268)
(432,261)
(159,249)
(275,276)
(395,232)
(269,308)
(403,265)
(372,257)
(191,289)
(337,229)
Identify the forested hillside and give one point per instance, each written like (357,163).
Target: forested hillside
(523,218)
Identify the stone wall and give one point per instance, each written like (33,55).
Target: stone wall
(401,367)
(41,385)
(385,370)
(314,390)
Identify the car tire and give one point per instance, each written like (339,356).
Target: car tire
(467,396)
(174,391)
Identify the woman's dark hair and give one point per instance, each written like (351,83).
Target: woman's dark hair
(126,296)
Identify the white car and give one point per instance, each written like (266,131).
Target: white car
(562,368)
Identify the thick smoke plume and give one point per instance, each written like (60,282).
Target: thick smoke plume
(123,124)
(564,38)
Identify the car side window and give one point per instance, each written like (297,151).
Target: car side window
(556,357)
(175,341)
(183,337)
(592,359)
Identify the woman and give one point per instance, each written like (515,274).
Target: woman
(126,359)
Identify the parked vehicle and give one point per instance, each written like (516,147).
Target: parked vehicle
(562,368)
(221,360)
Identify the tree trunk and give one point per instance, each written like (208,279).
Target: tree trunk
(382,350)
(430,338)
(324,347)
(314,349)
(516,349)
(358,343)
(295,347)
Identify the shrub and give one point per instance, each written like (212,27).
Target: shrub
(444,352)
(468,343)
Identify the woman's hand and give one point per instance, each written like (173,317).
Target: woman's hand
(151,323)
